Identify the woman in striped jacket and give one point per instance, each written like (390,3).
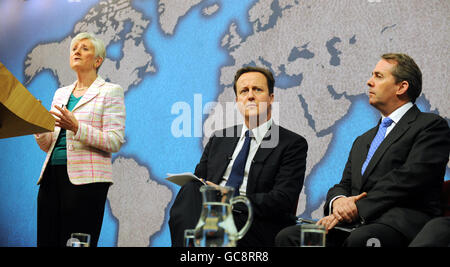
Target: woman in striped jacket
(77,172)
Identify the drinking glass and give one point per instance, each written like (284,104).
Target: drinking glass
(189,238)
(79,240)
(312,235)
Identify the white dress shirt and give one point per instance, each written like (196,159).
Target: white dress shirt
(397,115)
(258,135)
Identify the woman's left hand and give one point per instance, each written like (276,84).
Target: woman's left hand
(65,119)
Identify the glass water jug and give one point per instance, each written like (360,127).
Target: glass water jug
(216,227)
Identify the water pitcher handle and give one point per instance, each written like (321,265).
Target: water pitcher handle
(250,214)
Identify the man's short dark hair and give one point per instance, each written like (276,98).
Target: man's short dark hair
(406,70)
(265,72)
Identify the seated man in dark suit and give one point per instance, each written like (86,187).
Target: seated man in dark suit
(391,184)
(436,233)
(273,163)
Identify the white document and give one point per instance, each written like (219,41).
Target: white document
(182,178)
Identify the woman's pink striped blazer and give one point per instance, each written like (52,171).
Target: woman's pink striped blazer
(101,117)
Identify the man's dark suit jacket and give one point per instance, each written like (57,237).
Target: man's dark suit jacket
(274,181)
(404,178)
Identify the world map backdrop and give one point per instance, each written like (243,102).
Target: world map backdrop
(176,61)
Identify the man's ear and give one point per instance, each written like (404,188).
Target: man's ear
(403,88)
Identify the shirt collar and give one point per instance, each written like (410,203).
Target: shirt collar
(258,132)
(398,113)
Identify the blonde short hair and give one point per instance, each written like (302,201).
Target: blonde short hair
(99,46)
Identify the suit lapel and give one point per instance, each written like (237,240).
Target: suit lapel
(260,157)
(66,95)
(225,153)
(403,125)
(62,100)
(92,92)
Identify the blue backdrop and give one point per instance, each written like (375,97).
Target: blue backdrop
(168,54)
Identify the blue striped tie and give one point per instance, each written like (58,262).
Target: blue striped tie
(237,171)
(377,141)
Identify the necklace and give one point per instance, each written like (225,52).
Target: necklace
(81,88)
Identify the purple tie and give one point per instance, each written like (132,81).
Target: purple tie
(377,141)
